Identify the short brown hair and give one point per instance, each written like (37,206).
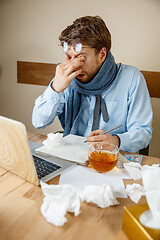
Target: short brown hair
(89,30)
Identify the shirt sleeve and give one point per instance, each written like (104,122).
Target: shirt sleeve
(139,131)
(47,107)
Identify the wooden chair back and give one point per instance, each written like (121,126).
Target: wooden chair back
(42,74)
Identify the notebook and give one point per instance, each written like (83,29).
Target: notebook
(17,154)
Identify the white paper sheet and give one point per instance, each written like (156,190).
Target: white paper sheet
(82,176)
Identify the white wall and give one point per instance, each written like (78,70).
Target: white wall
(29,31)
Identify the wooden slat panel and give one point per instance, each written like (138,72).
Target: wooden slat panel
(153,83)
(42,74)
(35,73)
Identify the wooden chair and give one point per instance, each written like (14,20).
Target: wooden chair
(153,84)
(42,74)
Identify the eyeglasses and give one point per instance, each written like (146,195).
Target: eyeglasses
(75,47)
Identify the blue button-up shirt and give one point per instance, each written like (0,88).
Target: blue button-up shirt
(128,103)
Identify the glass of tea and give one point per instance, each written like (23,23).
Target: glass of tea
(102,157)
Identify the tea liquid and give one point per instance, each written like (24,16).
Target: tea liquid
(103,161)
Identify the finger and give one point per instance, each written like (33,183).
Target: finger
(66,62)
(71,67)
(96,132)
(99,138)
(68,71)
(74,59)
(74,74)
(96,138)
(67,66)
(77,61)
(80,57)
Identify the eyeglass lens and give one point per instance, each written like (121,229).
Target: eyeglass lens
(76,48)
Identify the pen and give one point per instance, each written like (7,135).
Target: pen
(108,131)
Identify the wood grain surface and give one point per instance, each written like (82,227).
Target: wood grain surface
(15,155)
(35,73)
(21,218)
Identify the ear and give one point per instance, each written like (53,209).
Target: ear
(103,54)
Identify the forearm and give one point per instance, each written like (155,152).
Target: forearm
(46,108)
(135,139)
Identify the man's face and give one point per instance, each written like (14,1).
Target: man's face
(91,65)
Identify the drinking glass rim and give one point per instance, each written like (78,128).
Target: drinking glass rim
(117,149)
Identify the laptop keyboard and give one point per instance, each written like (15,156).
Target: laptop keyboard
(43,167)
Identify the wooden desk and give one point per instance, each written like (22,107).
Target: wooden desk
(21,218)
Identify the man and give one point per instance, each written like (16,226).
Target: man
(90,93)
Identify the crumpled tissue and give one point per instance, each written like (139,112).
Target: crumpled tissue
(58,200)
(151,183)
(135,169)
(135,191)
(62,198)
(53,140)
(100,195)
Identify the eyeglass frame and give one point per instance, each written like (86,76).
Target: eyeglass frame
(65,48)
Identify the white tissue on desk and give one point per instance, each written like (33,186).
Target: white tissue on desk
(71,148)
(100,195)
(62,198)
(135,191)
(150,167)
(58,200)
(53,140)
(151,183)
(135,169)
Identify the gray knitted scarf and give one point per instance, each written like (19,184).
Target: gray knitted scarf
(100,83)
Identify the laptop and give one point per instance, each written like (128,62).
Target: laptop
(17,154)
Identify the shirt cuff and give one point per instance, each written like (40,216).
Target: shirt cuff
(124,141)
(119,140)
